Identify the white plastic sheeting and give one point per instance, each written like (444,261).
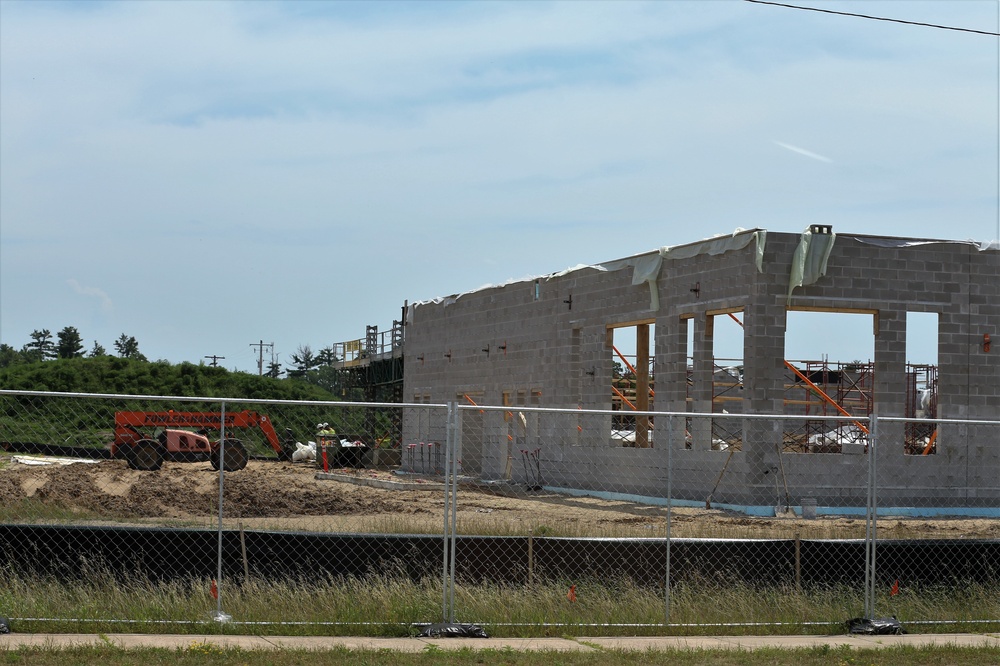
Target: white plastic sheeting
(645,267)
(51,460)
(810,259)
(304,452)
(982,246)
(835,440)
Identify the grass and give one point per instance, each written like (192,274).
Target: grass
(206,654)
(395,606)
(31,510)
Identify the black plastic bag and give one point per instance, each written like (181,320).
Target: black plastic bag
(4,625)
(452,630)
(880,626)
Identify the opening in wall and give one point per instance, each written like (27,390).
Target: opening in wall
(632,383)
(727,379)
(829,372)
(687,323)
(921,437)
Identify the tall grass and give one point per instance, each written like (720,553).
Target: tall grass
(393,605)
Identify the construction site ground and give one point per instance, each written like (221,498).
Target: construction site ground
(285,495)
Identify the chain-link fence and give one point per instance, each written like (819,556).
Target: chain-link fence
(380,517)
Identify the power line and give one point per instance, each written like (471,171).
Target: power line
(875,18)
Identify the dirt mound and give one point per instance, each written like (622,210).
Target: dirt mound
(283,495)
(110,488)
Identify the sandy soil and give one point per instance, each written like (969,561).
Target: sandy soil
(277,495)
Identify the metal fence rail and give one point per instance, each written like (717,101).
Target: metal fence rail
(177,511)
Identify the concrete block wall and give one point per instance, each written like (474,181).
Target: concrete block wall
(554,353)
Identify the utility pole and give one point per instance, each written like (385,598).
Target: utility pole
(275,368)
(260,355)
(215,359)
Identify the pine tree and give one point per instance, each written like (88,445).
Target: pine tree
(41,347)
(128,347)
(70,343)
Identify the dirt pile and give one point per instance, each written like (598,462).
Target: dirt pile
(276,495)
(179,490)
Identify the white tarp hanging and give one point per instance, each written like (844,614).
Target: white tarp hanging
(810,259)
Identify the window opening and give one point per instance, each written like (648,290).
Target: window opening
(687,321)
(816,385)
(727,379)
(921,437)
(632,383)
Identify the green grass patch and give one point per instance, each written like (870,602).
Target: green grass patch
(35,511)
(205,654)
(393,605)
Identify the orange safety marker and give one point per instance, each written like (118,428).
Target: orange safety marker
(214,589)
(571,595)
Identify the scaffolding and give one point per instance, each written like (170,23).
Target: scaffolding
(811,388)
(371,369)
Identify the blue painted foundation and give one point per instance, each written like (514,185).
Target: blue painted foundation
(769,511)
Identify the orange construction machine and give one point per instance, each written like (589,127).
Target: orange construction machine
(146,439)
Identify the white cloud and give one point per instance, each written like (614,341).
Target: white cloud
(93,292)
(803,151)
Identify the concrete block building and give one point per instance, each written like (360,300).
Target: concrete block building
(545,342)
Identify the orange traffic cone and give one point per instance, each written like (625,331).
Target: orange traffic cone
(214,589)
(571,595)
(895,589)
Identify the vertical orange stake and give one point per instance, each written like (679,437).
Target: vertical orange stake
(895,589)
(214,589)
(571,595)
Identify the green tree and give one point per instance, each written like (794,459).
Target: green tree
(9,356)
(70,343)
(329,379)
(128,347)
(326,356)
(41,347)
(273,370)
(97,350)
(304,361)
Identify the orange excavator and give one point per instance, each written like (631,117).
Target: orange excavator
(146,439)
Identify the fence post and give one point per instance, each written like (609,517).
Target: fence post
(871,519)
(456,440)
(445,528)
(218,615)
(451,447)
(670,504)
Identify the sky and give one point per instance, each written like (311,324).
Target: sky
(204,176)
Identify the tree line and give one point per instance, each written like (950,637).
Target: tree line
(68,343)
(315,368)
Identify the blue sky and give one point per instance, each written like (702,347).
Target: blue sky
(204,175)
